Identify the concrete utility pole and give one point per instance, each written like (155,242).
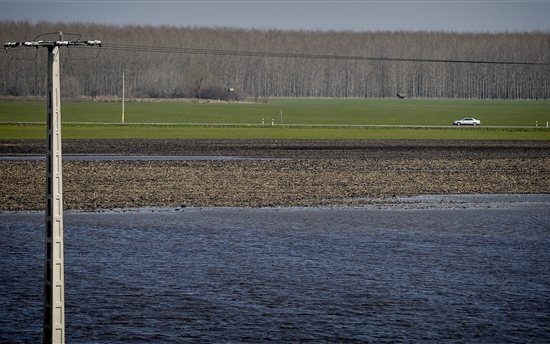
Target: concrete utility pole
(53,329)
(54,291)
(123,97)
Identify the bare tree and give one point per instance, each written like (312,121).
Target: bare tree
(154,74)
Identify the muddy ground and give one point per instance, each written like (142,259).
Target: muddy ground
(297,173)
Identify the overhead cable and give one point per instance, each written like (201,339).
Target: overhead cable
(246,53)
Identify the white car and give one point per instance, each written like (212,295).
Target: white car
(467,121)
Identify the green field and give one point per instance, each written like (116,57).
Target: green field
(301,119)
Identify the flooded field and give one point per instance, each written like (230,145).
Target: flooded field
(451,269)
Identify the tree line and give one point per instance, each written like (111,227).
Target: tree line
(218,72)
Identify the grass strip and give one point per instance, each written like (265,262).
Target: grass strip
(117,131)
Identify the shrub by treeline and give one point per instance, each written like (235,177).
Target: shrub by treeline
(175,75)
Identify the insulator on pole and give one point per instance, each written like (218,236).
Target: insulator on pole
(94,42)
(11,44)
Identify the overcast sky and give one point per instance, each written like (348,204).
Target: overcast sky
(358,15)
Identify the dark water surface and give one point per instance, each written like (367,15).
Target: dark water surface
(286,275)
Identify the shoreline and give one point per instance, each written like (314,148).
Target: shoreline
(301,173)
(423,202)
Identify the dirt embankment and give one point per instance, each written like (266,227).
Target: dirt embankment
(299,173)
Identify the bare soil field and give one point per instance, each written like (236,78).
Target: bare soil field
(287,173)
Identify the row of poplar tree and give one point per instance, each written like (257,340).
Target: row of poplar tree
(233,63)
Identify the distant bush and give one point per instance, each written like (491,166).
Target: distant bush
(221,93)
(14,90)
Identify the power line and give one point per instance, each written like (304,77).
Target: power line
(268,54)
(247,53)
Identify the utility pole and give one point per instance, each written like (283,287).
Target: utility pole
(54,291)
(122,97)
(53,330)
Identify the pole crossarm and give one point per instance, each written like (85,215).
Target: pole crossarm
(58,43)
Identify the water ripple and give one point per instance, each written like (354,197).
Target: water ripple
(286,275)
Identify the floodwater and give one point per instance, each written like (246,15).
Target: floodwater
(453,273)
